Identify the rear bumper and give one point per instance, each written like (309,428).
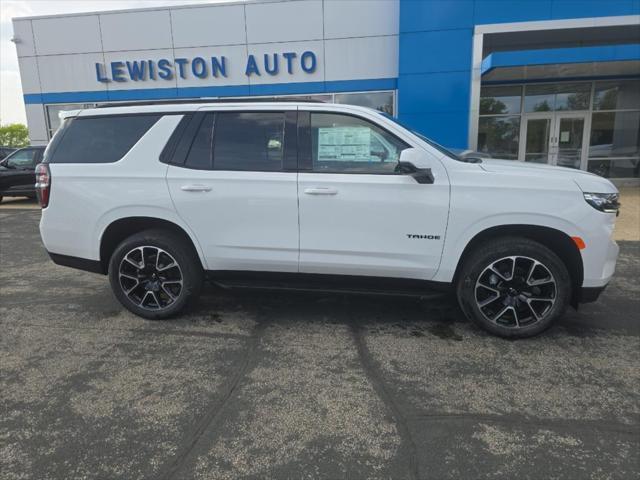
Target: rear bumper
(590,294)
(93,266)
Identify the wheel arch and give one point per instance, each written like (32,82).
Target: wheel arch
(124,227)
(555,240)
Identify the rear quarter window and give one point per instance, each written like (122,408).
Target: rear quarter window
(99,139)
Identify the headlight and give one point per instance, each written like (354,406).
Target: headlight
(605,202)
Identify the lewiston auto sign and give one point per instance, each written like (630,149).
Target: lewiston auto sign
(272,64)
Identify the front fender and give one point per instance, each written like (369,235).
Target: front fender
(457,242)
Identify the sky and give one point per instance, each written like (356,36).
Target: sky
(11,104)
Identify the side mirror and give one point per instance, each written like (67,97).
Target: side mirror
(413,162)
(421,175)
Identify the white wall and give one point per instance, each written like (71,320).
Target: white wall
(352,39)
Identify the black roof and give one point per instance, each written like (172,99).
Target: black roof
(209,100)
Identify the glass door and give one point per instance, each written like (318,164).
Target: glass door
(568,144)
(554,138)
(535,143)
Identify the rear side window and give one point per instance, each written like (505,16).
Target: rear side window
(199,155)
(100,139)
(251,141)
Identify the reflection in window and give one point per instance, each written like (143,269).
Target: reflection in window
(500,100)
(548,98)
(617,95)
(620,168)
(22,158)
(615,134)
(54,110)
(498,136)
(248,141)
(382,101)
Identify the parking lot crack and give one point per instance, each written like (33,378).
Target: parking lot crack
(212,415)
(371,369)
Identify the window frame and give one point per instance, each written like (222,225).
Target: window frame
(305,158)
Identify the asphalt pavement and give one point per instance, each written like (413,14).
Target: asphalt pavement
(281,385)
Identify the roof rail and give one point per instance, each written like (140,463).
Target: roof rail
(209,100)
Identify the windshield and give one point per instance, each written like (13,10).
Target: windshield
(435,145)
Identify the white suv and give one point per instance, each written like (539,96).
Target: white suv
(317,196)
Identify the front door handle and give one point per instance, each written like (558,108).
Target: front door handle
(320,191)
(195,188)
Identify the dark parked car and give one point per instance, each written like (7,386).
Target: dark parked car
(17,172)
(6,151)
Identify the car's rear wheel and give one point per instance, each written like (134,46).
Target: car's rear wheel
(155,274)
(514,287)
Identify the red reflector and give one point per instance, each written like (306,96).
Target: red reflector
(43,184)
(579,243)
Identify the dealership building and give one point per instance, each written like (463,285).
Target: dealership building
(547,81)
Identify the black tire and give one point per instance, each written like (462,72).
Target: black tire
(170,296)
(515,297)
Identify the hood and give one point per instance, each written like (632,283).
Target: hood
(587,182)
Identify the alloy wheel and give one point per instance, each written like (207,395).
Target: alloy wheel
(150,277)
(515,291)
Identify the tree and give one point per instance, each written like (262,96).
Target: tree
(14,135)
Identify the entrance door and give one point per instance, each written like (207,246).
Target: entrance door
(553,138)
(568,139)
(537,134)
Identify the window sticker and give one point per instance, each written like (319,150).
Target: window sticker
(344,143)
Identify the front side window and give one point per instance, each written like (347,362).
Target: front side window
(103,139)
(347,144)
(248,141)
(22,159)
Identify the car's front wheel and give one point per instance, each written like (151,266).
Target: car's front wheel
(155,273)
(514,287)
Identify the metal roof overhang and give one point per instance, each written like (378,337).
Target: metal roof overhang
(562,64)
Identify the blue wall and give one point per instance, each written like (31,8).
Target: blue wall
(436,37)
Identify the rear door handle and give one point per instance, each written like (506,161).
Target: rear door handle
(320,191)
(195,188)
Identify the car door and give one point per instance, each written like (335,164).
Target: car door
(20,176)
(236,187)
(358,214)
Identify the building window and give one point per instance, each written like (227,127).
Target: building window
(500,100)
(611,113)
(53,120)
(499,136)
(550,98)
(499,128)
(614,144)
(382,101)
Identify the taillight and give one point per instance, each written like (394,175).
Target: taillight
(43,184)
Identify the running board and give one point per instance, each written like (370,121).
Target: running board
(334,284)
